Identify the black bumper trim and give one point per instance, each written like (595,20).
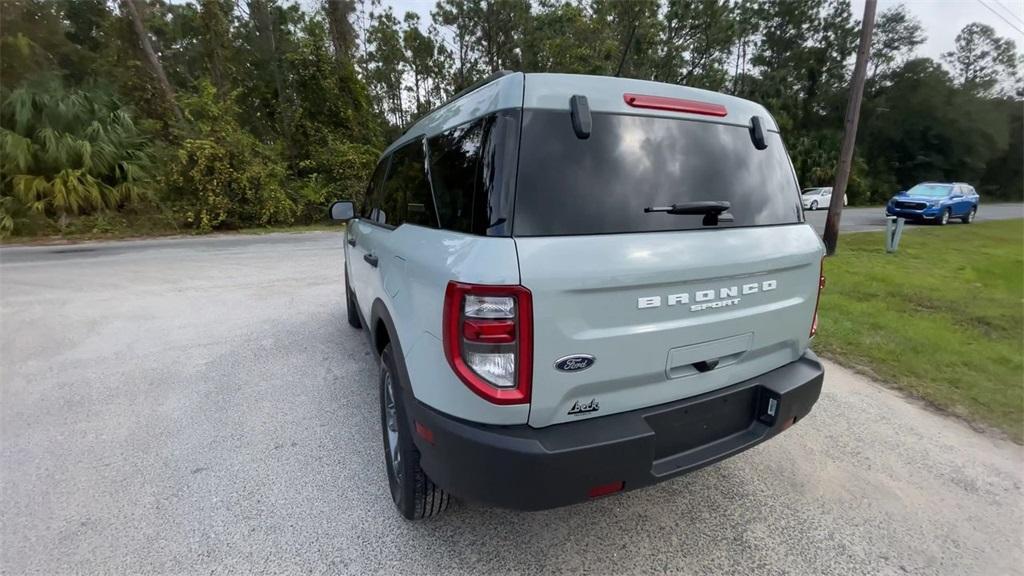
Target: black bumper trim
(537,468)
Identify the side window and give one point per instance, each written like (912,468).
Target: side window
(373,188)
(454,160)
(406,196)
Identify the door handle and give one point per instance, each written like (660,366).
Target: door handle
(370,259)
(351,241)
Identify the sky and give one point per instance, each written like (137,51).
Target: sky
(941,19)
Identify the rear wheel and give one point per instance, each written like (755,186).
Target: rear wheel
(944,217)
(353,312)
(413,493)
(970,215)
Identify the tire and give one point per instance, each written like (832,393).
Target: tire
(353,311)
(413,493)
(944,219)
(970,215)
(814,204)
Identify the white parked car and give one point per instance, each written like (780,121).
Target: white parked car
(814,198)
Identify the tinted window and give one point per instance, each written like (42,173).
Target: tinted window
(473,170)
(406,197)
(602,184)
(454,164)
(373,188)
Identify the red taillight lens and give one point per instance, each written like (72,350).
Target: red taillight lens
(674,104)
(821,286)
(489,331)
(488,339)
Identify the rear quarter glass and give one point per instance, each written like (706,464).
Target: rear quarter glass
(601,185)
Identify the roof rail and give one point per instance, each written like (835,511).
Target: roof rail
(474,86)
(456,96)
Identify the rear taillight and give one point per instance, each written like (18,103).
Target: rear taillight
(488,339)
(817,300)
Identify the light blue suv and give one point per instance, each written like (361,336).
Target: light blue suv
(936,202)
(578,286)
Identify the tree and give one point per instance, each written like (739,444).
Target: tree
(419,53)
(129,8)
(216,31)
(696,43)
(267,58)
(982,59)
(897,36)
(551,42)
(339,22)
(458,17)
(921,127)
(385,65)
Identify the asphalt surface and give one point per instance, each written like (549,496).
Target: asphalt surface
(873,218)
(201,406)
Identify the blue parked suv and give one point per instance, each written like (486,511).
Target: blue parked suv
(936,202)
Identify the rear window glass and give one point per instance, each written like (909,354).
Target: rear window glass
(601,185)
(406,197)
(454,163)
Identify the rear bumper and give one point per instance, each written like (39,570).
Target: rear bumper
(536,468)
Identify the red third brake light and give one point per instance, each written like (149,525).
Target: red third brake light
(488,339)
(674,104)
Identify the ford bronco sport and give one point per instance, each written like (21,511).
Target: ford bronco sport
(580,285)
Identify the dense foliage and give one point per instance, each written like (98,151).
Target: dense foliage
(229,113)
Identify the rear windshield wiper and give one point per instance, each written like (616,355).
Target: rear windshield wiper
(714,211)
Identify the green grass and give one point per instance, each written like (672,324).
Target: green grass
(942,319)
(296,229)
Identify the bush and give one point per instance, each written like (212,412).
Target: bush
(338,170)
(222,176)
(65,153)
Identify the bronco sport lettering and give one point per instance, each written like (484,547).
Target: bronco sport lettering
(706,295)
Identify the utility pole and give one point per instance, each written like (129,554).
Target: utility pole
(835,207)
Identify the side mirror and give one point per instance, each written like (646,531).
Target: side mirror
(343,210)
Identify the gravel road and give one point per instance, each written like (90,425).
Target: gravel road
(200,406)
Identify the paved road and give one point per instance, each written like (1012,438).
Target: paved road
(865,219)
(200,406)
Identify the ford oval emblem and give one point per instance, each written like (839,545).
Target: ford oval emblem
(574,363)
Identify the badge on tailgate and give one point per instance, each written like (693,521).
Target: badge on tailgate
(574,363)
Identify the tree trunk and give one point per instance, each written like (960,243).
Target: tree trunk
(215,28)
(342,34)
(152,62)
(263,20)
